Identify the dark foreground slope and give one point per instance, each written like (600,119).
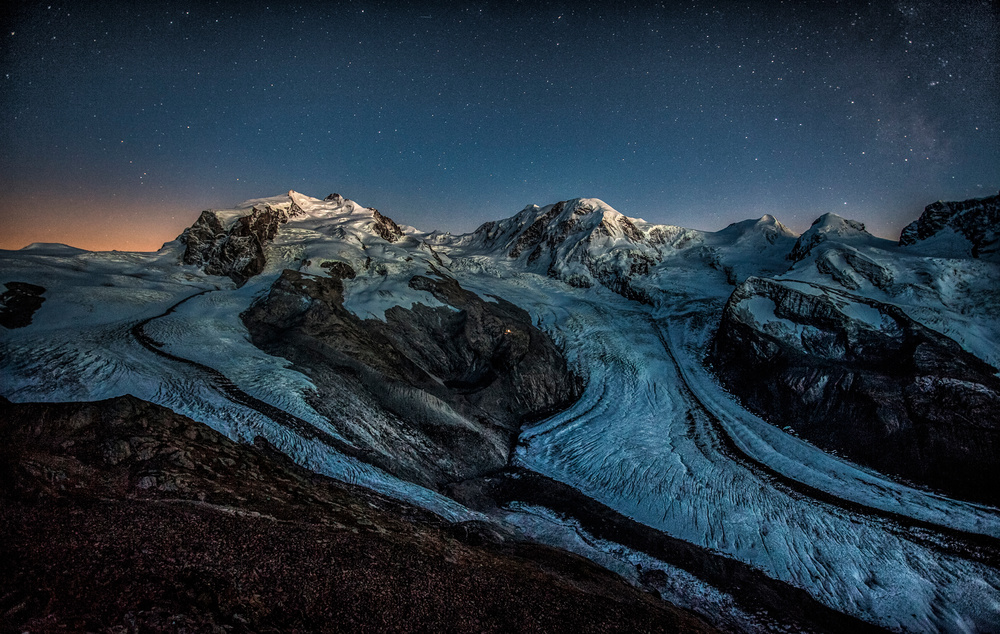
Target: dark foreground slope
(123,516)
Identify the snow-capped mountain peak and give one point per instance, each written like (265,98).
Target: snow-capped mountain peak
(767,220)
(305,203)
(333,305)
(581,241)
(831,222)
(767,226)
(332,205)
(236,243)
(562,225)
(829,226)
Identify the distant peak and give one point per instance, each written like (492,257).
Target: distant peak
(53,248)
(303,201)
(827,218)
(833,222)
(826,227)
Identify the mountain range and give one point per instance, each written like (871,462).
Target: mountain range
(757,430)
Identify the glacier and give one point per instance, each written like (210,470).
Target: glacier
(654,436)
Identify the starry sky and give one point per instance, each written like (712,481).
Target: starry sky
(121,123)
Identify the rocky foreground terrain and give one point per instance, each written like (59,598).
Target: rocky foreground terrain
(122,516)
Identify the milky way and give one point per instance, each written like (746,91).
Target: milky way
(120,123)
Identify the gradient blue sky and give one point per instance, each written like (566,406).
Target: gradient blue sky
(121,123)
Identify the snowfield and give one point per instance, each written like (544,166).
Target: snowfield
(654,436)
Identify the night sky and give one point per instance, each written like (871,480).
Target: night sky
(121,123)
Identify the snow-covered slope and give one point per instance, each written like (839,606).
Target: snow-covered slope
(831,228)
(583,242)
(653,436)
(935,282)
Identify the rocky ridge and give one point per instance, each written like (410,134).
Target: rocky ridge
(237,252)
(445,388)
(237,246)
(385,227)
(582,242)
(976,219)
(861,378)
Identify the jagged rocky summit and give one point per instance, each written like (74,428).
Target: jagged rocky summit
(582,242)
(236,251)
(977,220)
(235,245)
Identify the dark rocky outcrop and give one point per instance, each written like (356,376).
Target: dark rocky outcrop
(19,303)
(444,389)
(976,219)
(532,236)
(237,253)
(123,516)
(385,227)
(862,378)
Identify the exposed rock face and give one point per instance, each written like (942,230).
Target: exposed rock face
(582,242)
(239,252)
(19,303)
(444,389)
(976,219)
(123,516)
(860,377)
(385,227)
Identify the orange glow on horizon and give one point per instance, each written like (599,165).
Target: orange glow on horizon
(93,225)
